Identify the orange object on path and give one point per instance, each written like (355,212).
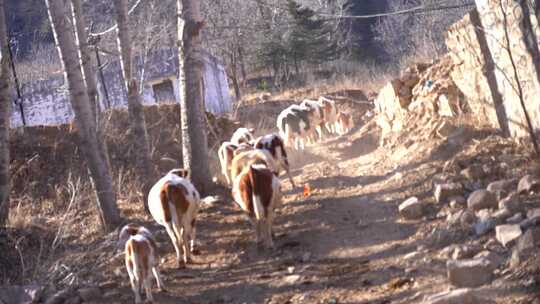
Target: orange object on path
(307,190)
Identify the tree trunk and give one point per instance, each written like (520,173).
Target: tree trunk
(194,142)
(86,129)
(234,76)
(89,73)
(85,54)
(242,65)
(136,112)
(5,106)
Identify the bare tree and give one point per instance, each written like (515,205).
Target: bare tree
(194,142)
(136,112)
(86,128)
(85,55)
(5,106)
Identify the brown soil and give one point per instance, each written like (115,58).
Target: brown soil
(344,243)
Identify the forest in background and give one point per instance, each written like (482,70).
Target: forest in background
(289,41)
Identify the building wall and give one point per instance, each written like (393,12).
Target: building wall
(46,102)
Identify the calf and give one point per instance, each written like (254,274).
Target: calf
(242,135)
(227,151)
(257,156)
(174,202)
(257,191)
(275,146)
(141,259)
(344,123)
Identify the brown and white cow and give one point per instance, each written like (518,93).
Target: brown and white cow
(248,158)
(141,259)
(344,122)
(242,135)
(257,191)
(226,152)
(174,202)
(275,146)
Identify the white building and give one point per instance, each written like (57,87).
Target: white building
(46,102)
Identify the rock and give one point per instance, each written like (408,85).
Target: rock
(458,296)
(112,294)
(515,219)
(108,285)
(60,297)
(482,199)
(526,246)
(505,234)
(73,300)
(454,219)
(493,245)
(519,257)
(504,186)
(291,279)
(88,294)
(306,257)
(461,219)
(484,226)
(412,255)
(495,259)
(472,186)
(25,294)
(411,209)
(528,223)
(446,252)
(465,252)
(511,202)
(467,219)
(527,184)
(457,201)
(444,191)
(440,237)
(500,216)
(473,172)
(469,273)
(533,213)
(211,201)
(529,240)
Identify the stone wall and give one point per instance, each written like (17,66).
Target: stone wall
(494,48)
(422,90)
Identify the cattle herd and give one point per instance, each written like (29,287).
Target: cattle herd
(250,166)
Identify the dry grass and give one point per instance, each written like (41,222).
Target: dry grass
(367,77)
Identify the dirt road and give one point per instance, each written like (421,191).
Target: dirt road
(342,244)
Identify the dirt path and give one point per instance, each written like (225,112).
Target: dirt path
(342,244)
